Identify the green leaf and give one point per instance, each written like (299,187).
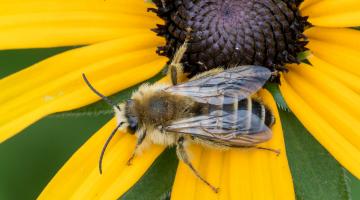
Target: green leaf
(316,174)
(31,158)
(275,91)
(157,182)
(302,56)
(355,186)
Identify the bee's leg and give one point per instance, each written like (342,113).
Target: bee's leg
(182,155)
(277,151)
(163,3)
(138,143)
(175,70)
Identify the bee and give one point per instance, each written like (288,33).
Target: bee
(213,109)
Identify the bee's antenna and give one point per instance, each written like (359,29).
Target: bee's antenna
(106,144)
(107,100)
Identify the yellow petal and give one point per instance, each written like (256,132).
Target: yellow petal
(308,3)
(239,173)
(331,99)
(344,37)
(350,80)
(333,13)
(79,178)
(56,85)
(325,119)
(40,23)
(335,52)
(9,7)
(343,56)
(333,89)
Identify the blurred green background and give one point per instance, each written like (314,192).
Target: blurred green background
(31,158)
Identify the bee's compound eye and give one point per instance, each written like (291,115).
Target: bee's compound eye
(130,102)
(130,114)
(133,124)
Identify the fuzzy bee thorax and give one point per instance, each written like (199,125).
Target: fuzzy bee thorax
(152,106)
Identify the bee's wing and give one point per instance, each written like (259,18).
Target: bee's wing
(225,87)
(241,128)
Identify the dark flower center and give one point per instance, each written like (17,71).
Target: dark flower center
(232,32)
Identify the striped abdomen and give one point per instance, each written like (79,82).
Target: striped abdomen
(257,108)
(244,111)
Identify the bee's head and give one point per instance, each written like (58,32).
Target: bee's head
(133,110)
(128,116)
(127,113)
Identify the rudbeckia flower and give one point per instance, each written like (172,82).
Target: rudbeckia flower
(119,50)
